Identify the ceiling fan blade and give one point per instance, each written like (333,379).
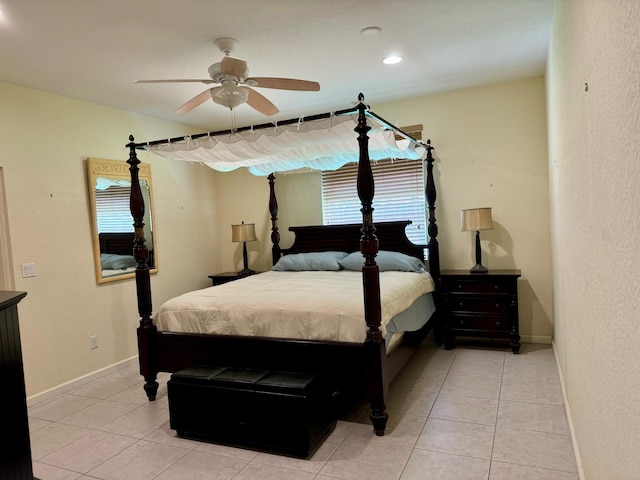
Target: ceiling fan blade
(261,103)
(285,84)
(195,101)
(183,80)
(233,66)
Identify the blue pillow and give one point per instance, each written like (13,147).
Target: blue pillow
(299,262)
(387,261)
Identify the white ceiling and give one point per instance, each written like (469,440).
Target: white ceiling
(93,50)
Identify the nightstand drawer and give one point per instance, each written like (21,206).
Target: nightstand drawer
(486,324)
(461,304)
(471,285)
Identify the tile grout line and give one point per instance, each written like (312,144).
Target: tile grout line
(495,426)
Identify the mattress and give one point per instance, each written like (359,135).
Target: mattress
(314,305)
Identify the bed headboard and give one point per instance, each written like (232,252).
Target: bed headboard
(118,243)
(346,238)
(390,235)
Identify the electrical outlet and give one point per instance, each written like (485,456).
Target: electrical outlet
(94,341)
(28,270)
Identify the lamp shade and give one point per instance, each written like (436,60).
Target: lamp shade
(245,232)
(476,219)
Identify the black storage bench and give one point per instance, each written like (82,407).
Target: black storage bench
(281,412)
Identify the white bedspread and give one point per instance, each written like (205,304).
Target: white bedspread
(317,305)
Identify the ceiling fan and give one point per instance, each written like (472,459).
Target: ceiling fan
(235,84)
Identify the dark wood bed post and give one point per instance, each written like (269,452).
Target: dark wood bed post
(430,192)
(143,284)
(377,385)
(276,252)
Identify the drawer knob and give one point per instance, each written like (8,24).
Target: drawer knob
(497,306)
(497,324)
(496,287)
(459,287)
(461,322)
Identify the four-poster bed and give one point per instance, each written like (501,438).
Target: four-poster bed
(351,367)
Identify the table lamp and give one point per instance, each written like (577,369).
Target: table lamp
(477,219)
(245,232)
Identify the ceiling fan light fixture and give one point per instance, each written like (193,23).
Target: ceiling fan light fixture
(229,95)
(235,85)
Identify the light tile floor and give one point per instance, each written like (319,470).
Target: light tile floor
(463,414)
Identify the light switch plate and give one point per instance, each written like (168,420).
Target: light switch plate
(28,270)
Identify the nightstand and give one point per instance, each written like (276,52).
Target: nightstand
(220,278)
(480,305)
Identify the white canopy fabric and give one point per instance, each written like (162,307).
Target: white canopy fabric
(323,144)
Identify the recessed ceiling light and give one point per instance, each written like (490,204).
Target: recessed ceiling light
(391,59)
(370,31)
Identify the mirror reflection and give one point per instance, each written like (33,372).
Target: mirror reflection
(112,224)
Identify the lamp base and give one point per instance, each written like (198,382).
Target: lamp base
(245,272)
(479,269)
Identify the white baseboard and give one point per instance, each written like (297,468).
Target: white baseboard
(79,382)
(544,339)
(569,418)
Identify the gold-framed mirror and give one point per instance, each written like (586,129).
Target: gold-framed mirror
(109,185)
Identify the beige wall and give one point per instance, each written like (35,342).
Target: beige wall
(491,150)
(594,153)
(45,139)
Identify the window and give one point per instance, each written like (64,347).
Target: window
(112,210)
(399,195)
(113,213)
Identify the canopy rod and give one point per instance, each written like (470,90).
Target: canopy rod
(349,111)
(241,129)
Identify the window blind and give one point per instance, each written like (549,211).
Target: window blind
(399,195)
(112,210)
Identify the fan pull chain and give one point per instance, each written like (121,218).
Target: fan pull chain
(233,122)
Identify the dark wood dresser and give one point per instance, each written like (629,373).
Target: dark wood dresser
(15,455)
(480,305)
